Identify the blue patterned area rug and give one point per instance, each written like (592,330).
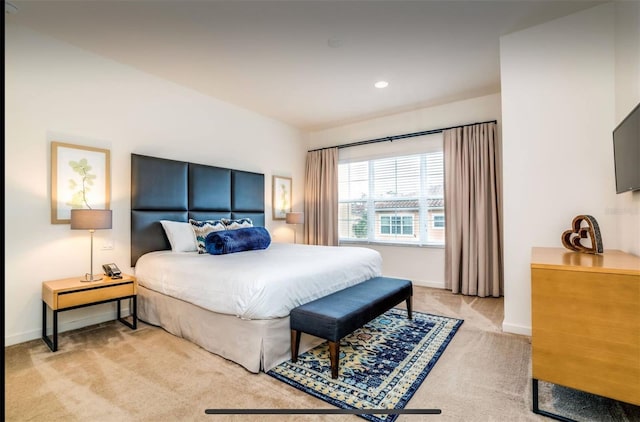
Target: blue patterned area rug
(381,365)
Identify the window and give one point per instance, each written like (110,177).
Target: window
(396,200)
(396,224)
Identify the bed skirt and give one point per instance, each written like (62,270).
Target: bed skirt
(255,344)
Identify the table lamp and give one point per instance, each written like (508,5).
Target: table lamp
(92,220)
(294,218)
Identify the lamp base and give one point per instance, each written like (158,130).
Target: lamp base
(91,277)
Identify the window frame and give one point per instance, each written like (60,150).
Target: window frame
(421,235)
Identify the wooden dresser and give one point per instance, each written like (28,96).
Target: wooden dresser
(586,322)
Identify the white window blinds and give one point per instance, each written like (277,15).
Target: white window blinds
(391,198)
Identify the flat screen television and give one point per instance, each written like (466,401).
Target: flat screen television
(626,152)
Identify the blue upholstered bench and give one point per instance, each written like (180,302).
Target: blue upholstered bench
(341,313)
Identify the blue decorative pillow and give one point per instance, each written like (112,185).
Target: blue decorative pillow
(238,240)
(202,228)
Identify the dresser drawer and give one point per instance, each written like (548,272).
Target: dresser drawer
(98,294)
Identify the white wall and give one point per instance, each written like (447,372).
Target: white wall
(558,109)
(565,85)
(627,89)
(423,265)
(55,91)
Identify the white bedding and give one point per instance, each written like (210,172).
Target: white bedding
(261,284)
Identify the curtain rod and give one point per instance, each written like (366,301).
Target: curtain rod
(395,137)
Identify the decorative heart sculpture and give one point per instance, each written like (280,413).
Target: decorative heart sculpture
(571,239)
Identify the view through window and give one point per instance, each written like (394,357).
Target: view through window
(393,200)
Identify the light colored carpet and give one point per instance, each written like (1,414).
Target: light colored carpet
(109,372)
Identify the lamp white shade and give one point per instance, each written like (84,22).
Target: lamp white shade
(294,218)
(83,219)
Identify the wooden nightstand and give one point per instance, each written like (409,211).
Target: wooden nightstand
(71,293)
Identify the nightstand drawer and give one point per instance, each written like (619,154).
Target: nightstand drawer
(82,297)
(71,293)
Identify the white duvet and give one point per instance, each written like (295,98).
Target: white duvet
(261,284)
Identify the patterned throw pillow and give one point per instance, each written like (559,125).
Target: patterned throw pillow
(237,224)
(202,228)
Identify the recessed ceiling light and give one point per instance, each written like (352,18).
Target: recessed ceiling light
(335,42)
(381,84)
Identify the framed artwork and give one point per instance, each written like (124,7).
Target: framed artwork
(281,201)
(80,178)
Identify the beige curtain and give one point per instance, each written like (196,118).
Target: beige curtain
(473,238)
(321,197)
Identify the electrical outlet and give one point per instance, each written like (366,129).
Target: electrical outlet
(107,246)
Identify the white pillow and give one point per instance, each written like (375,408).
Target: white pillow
(180,235)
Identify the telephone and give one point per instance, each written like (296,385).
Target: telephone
(112,270)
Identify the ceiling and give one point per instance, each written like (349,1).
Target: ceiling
(309,63)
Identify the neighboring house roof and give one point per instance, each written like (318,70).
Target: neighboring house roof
(435,202)
(398,204)
(408,204)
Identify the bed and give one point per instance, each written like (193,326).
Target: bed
(236,305)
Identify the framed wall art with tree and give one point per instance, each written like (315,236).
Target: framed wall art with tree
(281,199)
(80,178)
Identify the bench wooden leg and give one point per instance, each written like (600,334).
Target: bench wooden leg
(334,354)
(295,344)
(409,305)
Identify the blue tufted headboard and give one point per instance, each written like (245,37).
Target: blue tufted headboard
(163,189)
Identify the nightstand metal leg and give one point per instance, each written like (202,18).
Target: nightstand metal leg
(134,317)
(55,330)
(53,345)
(135,312)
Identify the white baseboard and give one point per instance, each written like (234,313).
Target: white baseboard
(425,283)
(516,329)
(64,326)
